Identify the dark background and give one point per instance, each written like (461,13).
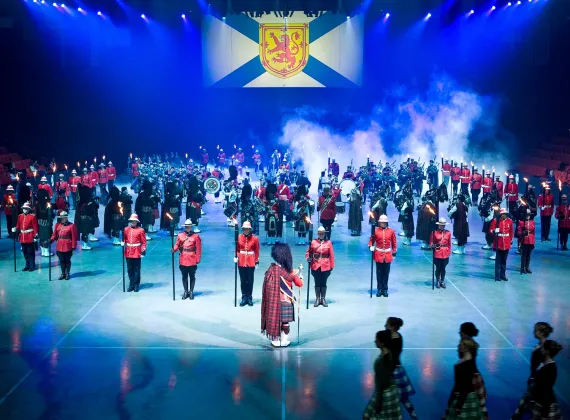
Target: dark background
(67,96)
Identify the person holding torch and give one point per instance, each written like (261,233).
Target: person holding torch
(384,248)
(563,216)
(189,244)
(65,236)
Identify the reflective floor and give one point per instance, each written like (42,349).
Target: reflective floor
(84,349)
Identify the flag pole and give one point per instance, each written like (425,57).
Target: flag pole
(309,264)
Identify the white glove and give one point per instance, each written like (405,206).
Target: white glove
(372,248)
(497,230)
(235,259)
(542,208)
(14,230)
(122,244)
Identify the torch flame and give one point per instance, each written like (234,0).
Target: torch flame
(559,185)
(431,210)
(120,208)
(441,154)
(523,202)
(483,167)
(186,155)
(11,201)
(103,157)
(65,166)
(525,179)
(48,205)
(131,155)
(169,216)
(371,214)
(95,159)
(78,165)
(471,163)
(506,173)
(307,219)
(495,208)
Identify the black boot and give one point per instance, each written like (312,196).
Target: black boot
(443,283)
(323,295)
(250,301)
(186,295)
(437,283)
(243,301)
(191,294)
(317,296)
(131,287)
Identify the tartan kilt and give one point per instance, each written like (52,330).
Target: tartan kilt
(471,409)
(391,409)
(402,381)
(287,312)
(553,413)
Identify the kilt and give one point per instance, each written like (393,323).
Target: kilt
(471,409)
(44,230)
(391,409)
(403,383)
(553,412)
(287,312)
(481,392)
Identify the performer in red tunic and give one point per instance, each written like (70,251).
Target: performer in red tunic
(221,158)
(465,179)
(189,244)
(134,241)
(446,172)
(512,195)
(546,205)
(44,186)
(440,242)
(86,178)
(102,179)
(327,208)
(563,216)
(455,177)
(93,178)
(334,168)
(476,183)
(61,186)
(111,175)
(384,247)
(247,259)
(504,233)
(526,233)
(66,236)
(9,204)
(487,184)
(73,182)
(320,256)
(277,301)
(135,168)
(27,228)
(499,186)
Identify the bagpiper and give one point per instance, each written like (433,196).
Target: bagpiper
(134,242)
(563,216)
(440,242)
(546,205)
(459,213)
(355,212)
(114,220)
(189,244)
(384,248)
(320,256)
(65,236)
(247,259)
(27,228)
(504,232)
(44,215)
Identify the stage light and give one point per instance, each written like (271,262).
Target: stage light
(99,14)
(143,16)
(54,5)
(472,11)
(183,16)
(509,4)
(387,15)
(79,9)
(518,2)
(428,15)
(348,17)
(224,18)
(493,8)
(62,5)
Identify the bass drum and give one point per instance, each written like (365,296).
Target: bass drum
(346,187)
(212,185)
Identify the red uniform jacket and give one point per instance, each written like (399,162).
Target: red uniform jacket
(247,250)
(384,244)
(261,193)
(329,212)
(504,239)
(465,176)
(86,180)
(216,174)
(62,185)
(27,226)
(190,247)
(321,254)
(240,157)
(256,158)
(222,158)
(66,237)
(455,173)
(348,175)
(563,216)
(513,191)
(135,169)
(529,226)
(499,185)
(445,169)
(94,178)
(9,206)
(546,201)
(135,241)
(73,183)
(476,180)
(443,239)
(111,173)
(487,184)
(103,176)
(205,158)
(47,188)
(335,169)
(283,192)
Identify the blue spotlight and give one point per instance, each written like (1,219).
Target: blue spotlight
(99,14)
(183,16)
(224,18)
(79,9)
(427,17)
(54,5)
(509,4)
(387,15)
(493,8)
(143,16)
(518,3)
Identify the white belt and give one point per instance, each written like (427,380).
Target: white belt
(383,250)
(503,234)
(132,245)
(546,207)
(73,185)
(27,231)
(247,252)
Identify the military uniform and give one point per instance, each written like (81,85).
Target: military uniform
(134,241)
(384,248)
(189,244)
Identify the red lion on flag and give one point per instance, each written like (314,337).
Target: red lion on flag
(285,48)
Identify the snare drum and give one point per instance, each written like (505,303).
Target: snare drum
(340,207)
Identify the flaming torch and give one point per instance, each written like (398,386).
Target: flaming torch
(308,220)
(14,223)
(559,205)
(48,206)
(169,217)
(526,184)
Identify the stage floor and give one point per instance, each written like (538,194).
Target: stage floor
(84,349)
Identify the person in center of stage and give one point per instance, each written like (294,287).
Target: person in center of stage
(504,233)
(134,241)
(327,208)
(526,232)
(320,256)
(247,259)
(189,244)
(66,237)
(277,301)
(384,247)
(440,242)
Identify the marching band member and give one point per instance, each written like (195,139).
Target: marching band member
(302,212)
(487,184)
(327,208)
(111,175)
(27,228)
(455,177)
(273,216)
(440,242)
(73,182)
(205,157)
(65,236)
(103,179)
(221,158)
(9,204)
(62,187)
(526,234)
(93,178)
(476,183)
(546,205)
(284,195)
(190,246)
(355,212)
(44,212)
(134,242)
(114,220)
(384,248)
(277,301)
(504,233)
(563,216)
(446,172)
(465,179)
(334,168)
(512,194)
(247,259)
(348,174)
(459,213)
(320,256)
(45,186)
(499,185)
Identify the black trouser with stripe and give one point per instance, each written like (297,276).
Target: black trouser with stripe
(501,263)
(545,227)
(29,251)
(382,275)
(64,261)
(188,271)
(134,270)
(440,264)
(246,277)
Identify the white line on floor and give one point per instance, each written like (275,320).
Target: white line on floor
(250,349)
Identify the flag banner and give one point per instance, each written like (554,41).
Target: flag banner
(270,51)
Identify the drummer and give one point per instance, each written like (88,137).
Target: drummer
(348,174)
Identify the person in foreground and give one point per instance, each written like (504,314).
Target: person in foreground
(385,402)
(277,300)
